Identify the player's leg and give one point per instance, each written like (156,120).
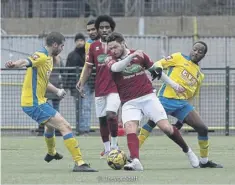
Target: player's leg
(45,114)
(155,111)
(71,143)
(49,134)
(195,121)
(150,125)
(100,105)
(112,106)
(131,116)
(179,124)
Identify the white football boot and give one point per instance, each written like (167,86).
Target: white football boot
(193,159)
(135,165)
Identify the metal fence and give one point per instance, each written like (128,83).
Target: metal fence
(220,49)
(85,8)
(216,102)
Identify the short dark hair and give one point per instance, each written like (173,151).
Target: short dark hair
(203,43)
(105,18)
(114,36)
(54,37)
(79,36)
(92,21)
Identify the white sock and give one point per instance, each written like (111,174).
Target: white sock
(114,142)
(107,146)
(203,160)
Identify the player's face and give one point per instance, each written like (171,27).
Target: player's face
(57,48)
(104,30)
(80,43)
(116,48)
(91,31)
(197,53)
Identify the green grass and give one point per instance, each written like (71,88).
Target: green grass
(163,161)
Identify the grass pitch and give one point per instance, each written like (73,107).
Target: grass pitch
(163,161)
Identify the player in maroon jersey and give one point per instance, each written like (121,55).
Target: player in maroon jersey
(137,97)
(107,100)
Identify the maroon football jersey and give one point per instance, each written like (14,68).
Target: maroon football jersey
(104,83)
(132,82)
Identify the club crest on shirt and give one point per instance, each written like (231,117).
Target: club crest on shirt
(35,56)
(101,58)
(132,69)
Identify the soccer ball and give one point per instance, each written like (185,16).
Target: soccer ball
(116,159)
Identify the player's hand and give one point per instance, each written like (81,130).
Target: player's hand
(138,53)
(80,89)
(61,93)
(156,73)
(179,89)
(10,64)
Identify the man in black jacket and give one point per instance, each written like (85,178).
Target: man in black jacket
(76,58)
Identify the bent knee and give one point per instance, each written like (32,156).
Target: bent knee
(165,126)
(131,127)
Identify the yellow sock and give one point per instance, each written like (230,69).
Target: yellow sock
(204,146)
(72,145)
(50,141)
(144,134)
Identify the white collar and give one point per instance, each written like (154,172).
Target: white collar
(127,53)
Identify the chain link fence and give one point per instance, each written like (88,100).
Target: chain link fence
(86,8)
(215,102)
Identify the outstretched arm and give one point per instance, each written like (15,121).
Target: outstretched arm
(17,64)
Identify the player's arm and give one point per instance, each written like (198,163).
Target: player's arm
(157,68)
(86,72)
(158,73)
(17,64)
(59,92)
(122,64)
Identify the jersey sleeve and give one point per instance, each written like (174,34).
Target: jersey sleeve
(90,56)
(147,62)
(37,59)
(168,61)
(109,61)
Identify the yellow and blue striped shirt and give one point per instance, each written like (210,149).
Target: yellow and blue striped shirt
(36,79)
(184,72)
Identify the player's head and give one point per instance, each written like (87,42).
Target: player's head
(79,40)
(198,52)
(91,30)
(116,44)
(55,41)
(104,25)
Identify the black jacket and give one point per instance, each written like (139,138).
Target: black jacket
(76,58)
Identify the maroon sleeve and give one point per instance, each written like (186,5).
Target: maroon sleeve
(109,62)
(147,61)
(90,56)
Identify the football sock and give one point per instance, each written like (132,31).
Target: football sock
(144,133)
(104,129)
(133,145)
(204,148)
(177,138)
(107,146)
(72,145)
(50,141)
(113,125)
(114,143)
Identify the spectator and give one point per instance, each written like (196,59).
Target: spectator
(77,59)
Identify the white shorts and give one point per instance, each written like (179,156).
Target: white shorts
(111,102)
(148,105)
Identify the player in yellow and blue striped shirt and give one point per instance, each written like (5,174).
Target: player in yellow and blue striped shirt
(185,71)
(34,103)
